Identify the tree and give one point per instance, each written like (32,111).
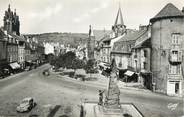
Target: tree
(68,59)
(77,64)
(65,60)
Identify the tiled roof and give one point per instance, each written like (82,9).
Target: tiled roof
(20,38)
(106,38)
(168,11)
(99,34)
(132,36)
(127,42)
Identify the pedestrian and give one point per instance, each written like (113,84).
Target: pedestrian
(101,97)
(81,111)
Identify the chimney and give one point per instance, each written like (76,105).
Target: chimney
(182,10)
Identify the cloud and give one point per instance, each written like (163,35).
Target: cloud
(47,13)
(88,14)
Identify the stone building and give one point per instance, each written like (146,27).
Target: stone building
(3,50)
(132,55)
(21,51)
(167,31)
(122,49)
(12,53)
(41,53)
(11,21)
(141,57)
(118,31)
(99,36)
(11,27)
(27,52)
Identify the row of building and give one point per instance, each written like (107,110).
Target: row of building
(152,55)
(17,51)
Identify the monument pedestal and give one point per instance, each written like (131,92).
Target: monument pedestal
(111,106)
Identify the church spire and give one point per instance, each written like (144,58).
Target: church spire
(119,28)
(9,7)
(119,17)
(14,11)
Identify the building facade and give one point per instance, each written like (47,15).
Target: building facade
(3,50)
(12,49)
(11,21)
(118,31)
(21,51)
(167,42)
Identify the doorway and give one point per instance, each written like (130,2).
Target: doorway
(177,88)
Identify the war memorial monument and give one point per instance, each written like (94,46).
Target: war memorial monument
(109,101)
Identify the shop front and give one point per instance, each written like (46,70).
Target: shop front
(14,67)
(174,88)
(130,76)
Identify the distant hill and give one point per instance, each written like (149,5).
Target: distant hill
(73,39)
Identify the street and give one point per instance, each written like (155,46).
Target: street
(63,96)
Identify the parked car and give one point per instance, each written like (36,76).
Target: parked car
(46,72)
(28,68)
(1,75)
(4,73)
(26,105)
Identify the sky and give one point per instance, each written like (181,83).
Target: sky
(43,16)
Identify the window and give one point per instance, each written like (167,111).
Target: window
(175,69)
(176,38)
(135,55)
(144,65)
(145,53)
(120,64)
(177,88)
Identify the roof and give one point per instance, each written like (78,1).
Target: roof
(106,38)
(167,12)
(20,38)
(99,34)
(143,41)
(132,36)
(127,42)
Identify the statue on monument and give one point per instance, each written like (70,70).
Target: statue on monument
(112,97)
(109,102)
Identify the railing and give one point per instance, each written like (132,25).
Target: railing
(177,57)
(174,76)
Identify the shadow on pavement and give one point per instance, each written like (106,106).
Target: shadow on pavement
(63,116)
(53,111)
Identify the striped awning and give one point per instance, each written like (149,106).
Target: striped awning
(129,73)
(14,65)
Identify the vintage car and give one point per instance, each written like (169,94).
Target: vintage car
(26,105)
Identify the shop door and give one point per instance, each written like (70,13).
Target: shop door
(177,88)
(171,88)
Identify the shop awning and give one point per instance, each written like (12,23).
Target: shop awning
(29,61)
(14,65)
(105,65)
(129,73)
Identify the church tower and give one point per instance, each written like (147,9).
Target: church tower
(90,44)
(119,28)
(11,21)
